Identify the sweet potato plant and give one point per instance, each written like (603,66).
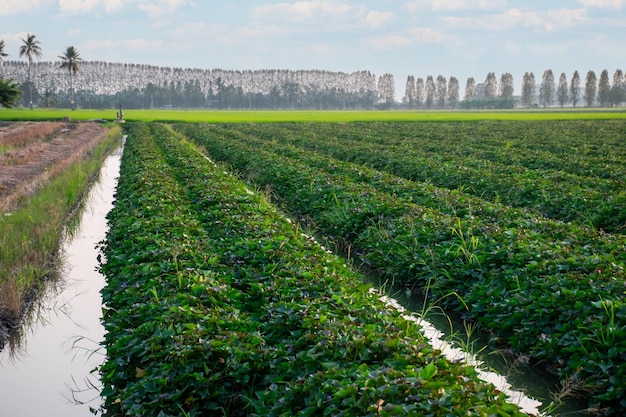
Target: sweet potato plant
(218,305)
(542,286)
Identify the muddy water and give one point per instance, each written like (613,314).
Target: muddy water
(48,369)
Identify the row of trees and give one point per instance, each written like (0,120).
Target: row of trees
(441,93)
(107,85)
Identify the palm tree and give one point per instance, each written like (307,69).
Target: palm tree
(70,59)
(2,53)
(30,49)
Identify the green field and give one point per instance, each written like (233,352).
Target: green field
(523,221)
(217,305)
(520,215)
(209,116)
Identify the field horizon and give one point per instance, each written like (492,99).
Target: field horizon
(267,116)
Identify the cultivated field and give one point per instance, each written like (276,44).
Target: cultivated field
(32,153)
(217,305)
(516,225)
(514,220)
(523,221)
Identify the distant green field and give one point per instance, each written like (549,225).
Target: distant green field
(222,116)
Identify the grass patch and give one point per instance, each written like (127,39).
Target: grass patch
(267,116)
(30,236)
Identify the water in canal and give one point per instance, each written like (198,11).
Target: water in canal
(46,370)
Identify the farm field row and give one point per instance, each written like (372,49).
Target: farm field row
(544,287)
(570,171)
(254,116)
(257,318)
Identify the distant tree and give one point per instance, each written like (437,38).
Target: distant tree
(386,90)
(604,88)
(480,91)
(546,91)
(618,93)
(470,89)
(9,93)
(574,88)
(441,91)
(48,99)
(430,90)
(30,49)
(2,53)
(591,86)
(420,93)
(70,60)
(528,89)
(506,86)
(561,92)
(488,103)
(409,94)
(491,85)
(453,92)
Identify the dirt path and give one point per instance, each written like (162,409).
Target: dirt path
(32,153)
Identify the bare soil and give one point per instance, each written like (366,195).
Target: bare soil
(31,153)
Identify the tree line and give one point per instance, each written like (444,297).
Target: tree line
(441,93)
(108,85)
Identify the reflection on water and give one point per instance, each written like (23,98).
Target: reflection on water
(47,367)
(530,388)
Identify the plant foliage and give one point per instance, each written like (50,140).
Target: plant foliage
(426,210)
(217,305)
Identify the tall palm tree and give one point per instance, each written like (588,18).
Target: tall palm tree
(30,49)
(2,53)
(71,58)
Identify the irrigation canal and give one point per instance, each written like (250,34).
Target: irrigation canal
(48,367)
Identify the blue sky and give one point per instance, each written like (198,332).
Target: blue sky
(460,38)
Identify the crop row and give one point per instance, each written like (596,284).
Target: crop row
(543,287)
(217,305)
(563,182)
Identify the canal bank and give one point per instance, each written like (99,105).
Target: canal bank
(49,370)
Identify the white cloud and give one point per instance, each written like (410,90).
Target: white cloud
(140,45)
(13,39)
(189,29)
(414,35)
(327,13)
(604,4)
(374,20)
(9,7)
(84,6)
(111,5)
(453,5)
(78,6)
(386,42)
(549,20)
(160,8)
(303,11)
(427,35)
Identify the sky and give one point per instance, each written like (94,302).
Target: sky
(460,38)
